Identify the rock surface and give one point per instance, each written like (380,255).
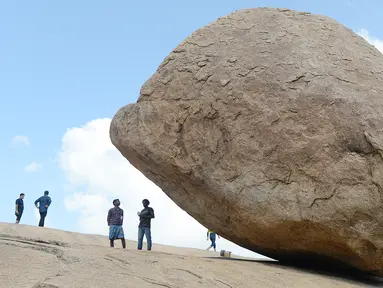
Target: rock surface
(267,127)
(32,257)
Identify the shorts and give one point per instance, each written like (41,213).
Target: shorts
(116,232)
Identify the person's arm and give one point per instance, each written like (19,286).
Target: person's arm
(49,202)
(147,214)
(122,217)
(109,216)
(37,201)
(17,207)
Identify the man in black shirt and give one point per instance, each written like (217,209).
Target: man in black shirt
(19,208)
(146,215)
(115,220)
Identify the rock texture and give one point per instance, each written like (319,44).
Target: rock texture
(32,257)
(267,126)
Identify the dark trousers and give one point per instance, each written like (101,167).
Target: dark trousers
(18,216)
(42,218)
(141,232)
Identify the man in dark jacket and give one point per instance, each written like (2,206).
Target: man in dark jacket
(115,221)
(19,208)
(44,203)
(146,215)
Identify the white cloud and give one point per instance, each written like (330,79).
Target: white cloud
(32,167)
(378,43)
(21,140)
(98,173)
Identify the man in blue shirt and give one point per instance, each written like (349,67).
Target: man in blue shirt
(44,203)
(19,208)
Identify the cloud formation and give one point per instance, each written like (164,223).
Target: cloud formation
(378,43)
(32,167)
(97,173)
(21,140)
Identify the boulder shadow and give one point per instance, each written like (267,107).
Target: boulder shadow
(333,270)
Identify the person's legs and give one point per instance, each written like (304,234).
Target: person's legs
(42,218)
(140,238)
(148,236)
(18,218)
(112,235)
(123,243)
(121,235)
(211,245)
(212,239)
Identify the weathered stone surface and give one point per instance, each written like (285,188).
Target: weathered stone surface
(267,126)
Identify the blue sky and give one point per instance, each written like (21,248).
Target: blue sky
(65,63)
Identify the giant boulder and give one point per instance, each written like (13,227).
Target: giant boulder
(267,127)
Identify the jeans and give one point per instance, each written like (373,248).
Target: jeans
(141,232)
(212,239)
(42,218)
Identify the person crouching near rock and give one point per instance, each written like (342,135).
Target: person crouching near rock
(115,222)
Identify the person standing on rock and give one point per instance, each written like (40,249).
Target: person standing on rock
(213,237)
(115,221)
(43,204)
(146,215)
(19,208)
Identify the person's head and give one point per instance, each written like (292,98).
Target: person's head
(146,203)
(46,193)
(22,196)
(116,203)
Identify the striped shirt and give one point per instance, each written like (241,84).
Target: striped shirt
(115,216)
